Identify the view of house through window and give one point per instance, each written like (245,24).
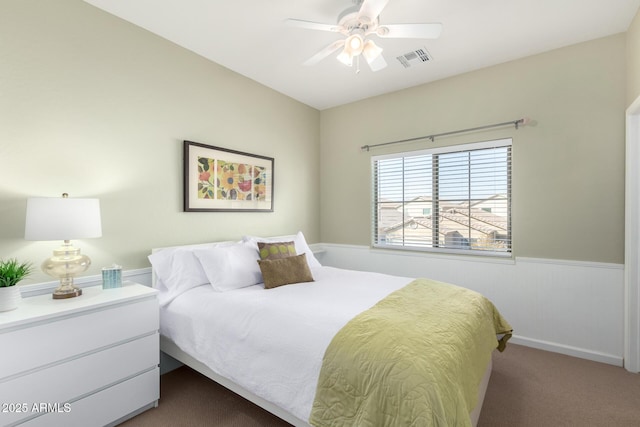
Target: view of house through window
(452,198)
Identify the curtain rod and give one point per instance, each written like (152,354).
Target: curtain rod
(523,121)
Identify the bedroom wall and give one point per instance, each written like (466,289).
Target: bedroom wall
(564,288)
(568,165)
(633,60)
(96,107)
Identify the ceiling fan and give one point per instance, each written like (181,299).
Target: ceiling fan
(358,24)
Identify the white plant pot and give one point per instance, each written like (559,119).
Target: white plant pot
(9,298)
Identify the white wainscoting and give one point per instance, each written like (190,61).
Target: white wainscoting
(141,276)
(569,307)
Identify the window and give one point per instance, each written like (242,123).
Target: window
(447,199)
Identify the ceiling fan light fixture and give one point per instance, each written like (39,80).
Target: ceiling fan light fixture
(354,44)
(371,51)
(345,57)
(356,24)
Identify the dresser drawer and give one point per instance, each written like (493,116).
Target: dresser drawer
(106,406)
(68,337)
(78,377)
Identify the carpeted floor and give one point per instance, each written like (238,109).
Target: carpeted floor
(534,388)
(528,388)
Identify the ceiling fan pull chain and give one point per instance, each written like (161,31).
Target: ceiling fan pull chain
(358,64)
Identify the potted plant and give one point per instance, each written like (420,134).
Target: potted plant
(11,272)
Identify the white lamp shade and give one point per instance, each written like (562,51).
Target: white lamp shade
(53,218)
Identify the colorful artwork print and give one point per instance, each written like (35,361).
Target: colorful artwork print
(260,183)
(221,180)
(206,178)
(218,179)
(234,181)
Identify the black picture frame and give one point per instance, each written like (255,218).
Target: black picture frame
(223,180)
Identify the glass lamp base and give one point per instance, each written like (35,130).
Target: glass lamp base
(65,264)
(66,293)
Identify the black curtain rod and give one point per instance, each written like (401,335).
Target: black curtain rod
(523,121)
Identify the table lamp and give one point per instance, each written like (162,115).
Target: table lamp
(64,218)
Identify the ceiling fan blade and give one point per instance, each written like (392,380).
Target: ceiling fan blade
(309,25)
(410,31)
(378,63)
(324,53)
(370,10)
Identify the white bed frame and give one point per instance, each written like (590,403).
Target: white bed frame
(170,348)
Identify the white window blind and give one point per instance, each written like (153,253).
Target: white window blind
(446,199)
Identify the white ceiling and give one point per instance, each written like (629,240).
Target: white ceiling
(250,38)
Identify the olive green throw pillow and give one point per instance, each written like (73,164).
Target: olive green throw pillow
(285,271)
(276,250)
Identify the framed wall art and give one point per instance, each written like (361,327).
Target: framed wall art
(219,179)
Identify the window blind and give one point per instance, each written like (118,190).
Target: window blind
(447,199)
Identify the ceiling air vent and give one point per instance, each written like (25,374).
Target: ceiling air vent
(414,57)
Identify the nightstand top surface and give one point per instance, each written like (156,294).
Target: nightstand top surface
(43,307)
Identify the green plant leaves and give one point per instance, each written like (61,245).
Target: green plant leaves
(12,271)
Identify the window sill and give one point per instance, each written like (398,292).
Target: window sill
(469,255)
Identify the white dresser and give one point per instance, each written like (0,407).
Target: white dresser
(85,361)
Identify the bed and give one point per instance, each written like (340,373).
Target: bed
(284,349)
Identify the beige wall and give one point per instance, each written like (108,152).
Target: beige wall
(633,60)
(96,107)
(568,166)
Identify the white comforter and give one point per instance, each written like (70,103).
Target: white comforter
(271,342)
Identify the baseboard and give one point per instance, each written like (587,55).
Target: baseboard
(581,353)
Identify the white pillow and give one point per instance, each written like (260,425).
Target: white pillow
(230,267)
(298,240)
(177,270)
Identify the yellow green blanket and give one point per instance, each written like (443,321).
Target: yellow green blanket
(414,359)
